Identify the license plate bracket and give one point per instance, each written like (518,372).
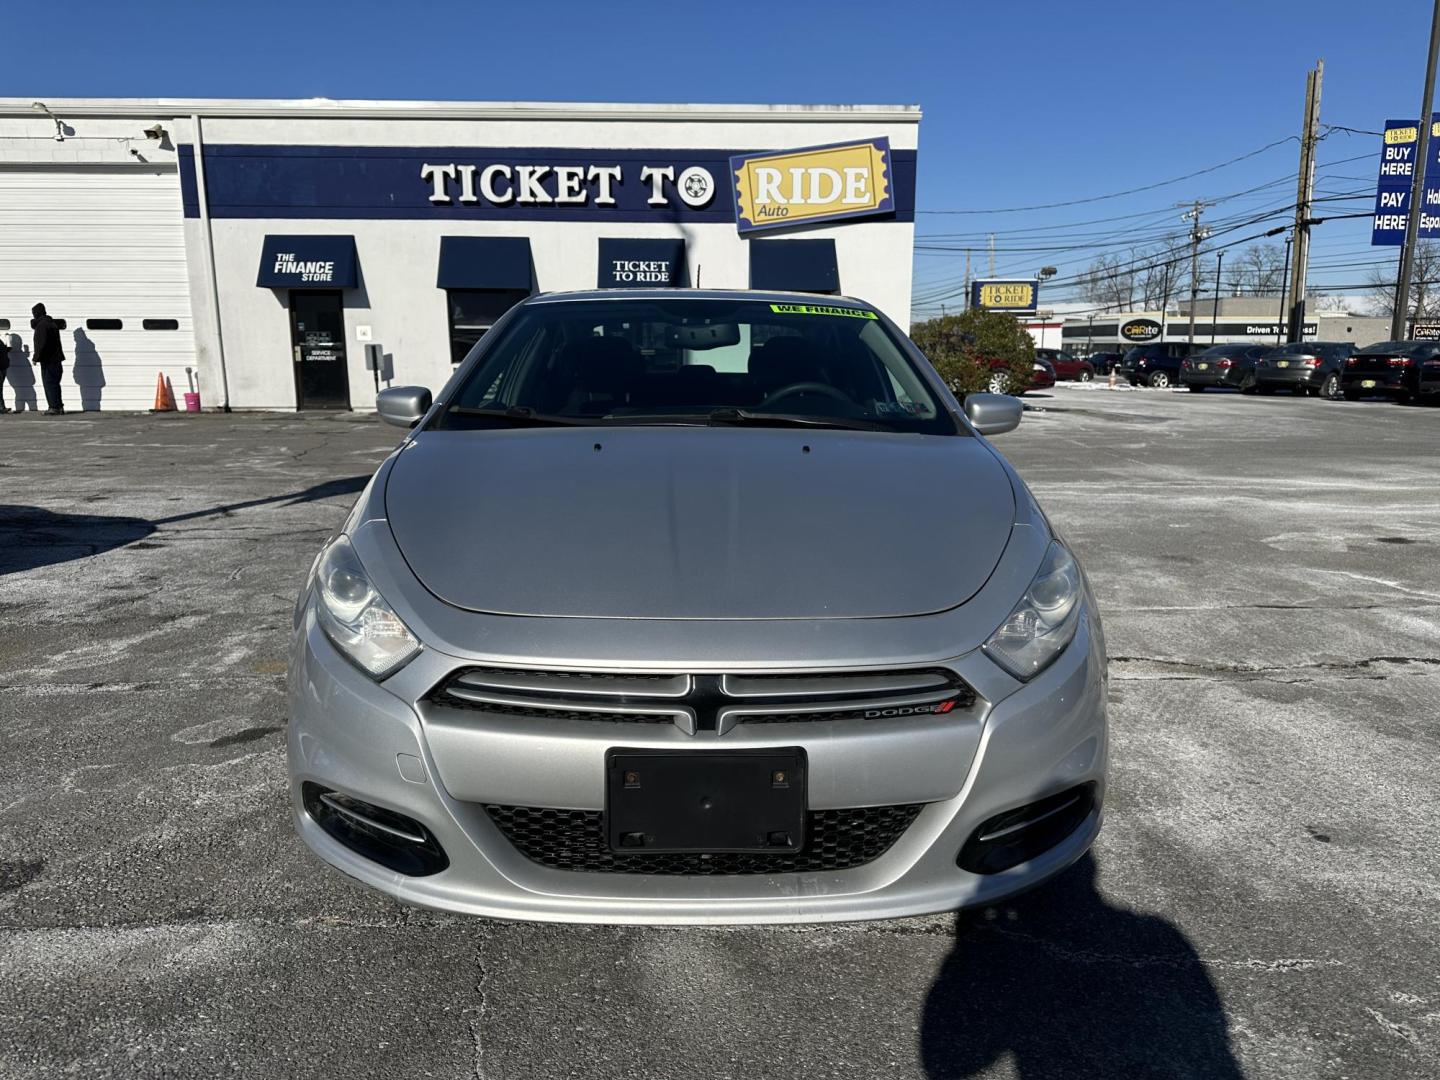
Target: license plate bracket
(705,801)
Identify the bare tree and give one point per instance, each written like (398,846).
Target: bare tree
(1259,270)
(1424,285)
(1109,281)
(1159,272)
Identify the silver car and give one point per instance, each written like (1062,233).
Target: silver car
(685,606)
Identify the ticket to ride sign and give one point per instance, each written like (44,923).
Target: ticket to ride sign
(1398,154)
(1022,295)
(779,189)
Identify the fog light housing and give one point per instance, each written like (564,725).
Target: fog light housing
(1017,836)
(393,840)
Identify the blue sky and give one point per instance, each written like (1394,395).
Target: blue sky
(1025,103)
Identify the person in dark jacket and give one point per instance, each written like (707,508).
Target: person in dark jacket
(4,370)
(48,354)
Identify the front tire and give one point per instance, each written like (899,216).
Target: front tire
(1087,374)
(999,383)
(1160,381)
(1330,388)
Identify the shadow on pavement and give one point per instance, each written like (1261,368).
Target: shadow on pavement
(1069,986)
(32,537)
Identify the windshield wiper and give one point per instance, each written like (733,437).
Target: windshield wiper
(519,415)
(745,416)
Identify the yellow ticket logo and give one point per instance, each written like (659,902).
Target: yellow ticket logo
(1007,294)
(826,183)
(1403,135)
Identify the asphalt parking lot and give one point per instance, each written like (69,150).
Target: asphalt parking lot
(1264,900)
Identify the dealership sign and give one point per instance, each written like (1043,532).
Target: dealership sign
(1005,295)
(1397,173)
(553,184)
(803,187)
(1140,330)
(1425,332)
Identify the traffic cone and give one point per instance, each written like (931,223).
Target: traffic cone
(164,399)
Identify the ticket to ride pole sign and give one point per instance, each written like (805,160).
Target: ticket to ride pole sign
(779,189)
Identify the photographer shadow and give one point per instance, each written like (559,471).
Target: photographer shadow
(21,377)
(1071,986)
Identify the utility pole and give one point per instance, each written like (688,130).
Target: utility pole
(992,236)
(1284,291)
(1309,138)
(1215,313)
(967,279)
(1417,187)
(1197,237)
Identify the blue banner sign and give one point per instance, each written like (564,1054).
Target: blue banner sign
(473,183)
(1397,172)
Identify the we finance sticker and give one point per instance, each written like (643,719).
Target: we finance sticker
(822,309)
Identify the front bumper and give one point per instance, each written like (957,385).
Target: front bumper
(1018,744)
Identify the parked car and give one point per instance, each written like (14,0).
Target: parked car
(1105,362)
(1230,365)
(1067,365)
(1156,364)
(1310,367)
(1403,370)
(1002,379)
(631,629)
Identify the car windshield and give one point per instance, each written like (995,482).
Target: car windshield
(697,361)
(1388,347)
(1221,350)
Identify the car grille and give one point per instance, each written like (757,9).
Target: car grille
(575,840)
(714,703)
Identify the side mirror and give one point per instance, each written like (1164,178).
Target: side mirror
(993,414)
(403,406)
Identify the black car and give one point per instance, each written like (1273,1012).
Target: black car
(1403,370)
(1156,364)
(1309,367)
(1231,365)
(1105,362)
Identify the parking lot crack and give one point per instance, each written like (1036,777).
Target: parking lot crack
(479,1016)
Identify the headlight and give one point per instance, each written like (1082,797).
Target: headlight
(1044,621)
(356,618)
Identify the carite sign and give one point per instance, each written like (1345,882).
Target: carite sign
(1425,332)
(1398,151)
(821,183)
(549,183)
(1005,295)
(1140,330)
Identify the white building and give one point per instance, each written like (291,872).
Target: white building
(265,243)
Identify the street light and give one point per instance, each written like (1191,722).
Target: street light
(1284,289)
(1045,273)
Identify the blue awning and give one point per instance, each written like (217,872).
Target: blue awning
(485,262)
(794,265)
(639,264)
(308,262)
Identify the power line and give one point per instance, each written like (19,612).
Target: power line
(1120,194)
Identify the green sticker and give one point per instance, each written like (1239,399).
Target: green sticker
(821,309)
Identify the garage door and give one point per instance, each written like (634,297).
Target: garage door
(104,249)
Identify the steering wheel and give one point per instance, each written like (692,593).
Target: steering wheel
(806,388)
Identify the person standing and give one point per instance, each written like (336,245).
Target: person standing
(4,370)
(48,354)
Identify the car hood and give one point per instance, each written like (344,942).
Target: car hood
(699,523)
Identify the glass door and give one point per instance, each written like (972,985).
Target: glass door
(317,335)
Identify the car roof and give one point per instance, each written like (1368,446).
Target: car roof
(690,294)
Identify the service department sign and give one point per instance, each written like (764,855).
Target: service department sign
(803,187)
(1140,330)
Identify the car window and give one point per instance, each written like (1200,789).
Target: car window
(636,361)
